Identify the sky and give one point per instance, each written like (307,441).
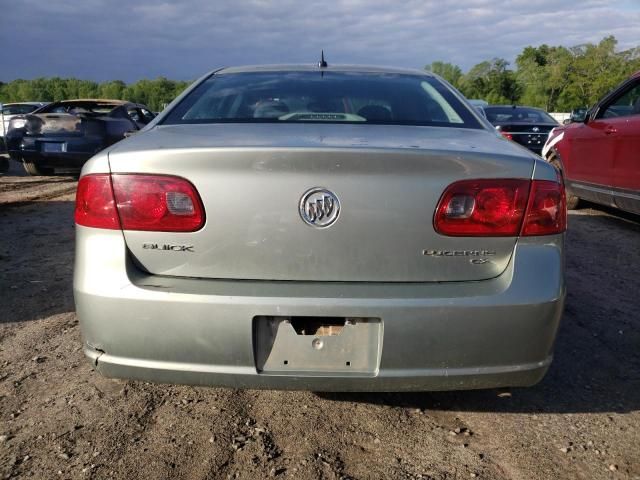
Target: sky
(183,39)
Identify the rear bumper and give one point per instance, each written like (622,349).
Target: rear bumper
(523,375)
(537,148)
(458,335)
(74,160)
(59,160)
(77,150)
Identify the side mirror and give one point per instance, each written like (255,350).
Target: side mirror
(579,115)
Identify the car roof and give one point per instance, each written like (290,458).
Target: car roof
(96,100)
(316,68)
(39,104)
(514,106)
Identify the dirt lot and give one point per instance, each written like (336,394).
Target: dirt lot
(59,419)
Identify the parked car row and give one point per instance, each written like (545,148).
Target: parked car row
(597,150)
(64,135)
(403,233)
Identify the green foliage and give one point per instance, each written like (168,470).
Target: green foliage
(561,79)
(543,75)
(491,81)
(450,72)
(554,78)
(153,93)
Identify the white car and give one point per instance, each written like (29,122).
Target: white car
(9,110)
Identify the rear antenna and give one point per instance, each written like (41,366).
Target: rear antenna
(322,63)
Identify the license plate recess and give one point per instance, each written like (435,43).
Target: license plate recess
(317,345)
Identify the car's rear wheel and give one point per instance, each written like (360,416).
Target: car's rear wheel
(35,170)
(4,164)
(572,200)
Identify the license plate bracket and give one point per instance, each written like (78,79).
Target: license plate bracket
(282,345)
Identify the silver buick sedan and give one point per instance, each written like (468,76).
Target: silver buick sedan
(324,228)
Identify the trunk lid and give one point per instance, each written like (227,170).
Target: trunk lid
(387,179)
(527,134)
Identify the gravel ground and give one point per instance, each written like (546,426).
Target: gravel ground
(59,419)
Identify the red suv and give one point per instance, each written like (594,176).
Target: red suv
(600,155)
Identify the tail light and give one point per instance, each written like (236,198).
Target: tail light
(504,133)
(507,135)
(159,203)
(95,205)
(547,209)
(501,208)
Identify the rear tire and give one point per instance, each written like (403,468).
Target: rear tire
(572,200)
(35,170)
(4,165)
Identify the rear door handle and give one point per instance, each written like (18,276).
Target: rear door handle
(609,130)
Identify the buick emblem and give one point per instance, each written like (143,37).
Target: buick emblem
(319,207)
(535,129)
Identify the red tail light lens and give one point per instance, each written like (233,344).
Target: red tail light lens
(547,209)
(507,135)
(497,208)
(159,203)
(95,206)
(487,208)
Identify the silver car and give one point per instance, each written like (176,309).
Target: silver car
(324,228)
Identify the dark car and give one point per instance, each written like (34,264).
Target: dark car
(64,135)
(527,126)
(600,155)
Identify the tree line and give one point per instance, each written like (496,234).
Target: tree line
(153,93)
(554,78)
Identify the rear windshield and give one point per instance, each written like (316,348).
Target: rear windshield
(79,107)
(322,97)
(517,114)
